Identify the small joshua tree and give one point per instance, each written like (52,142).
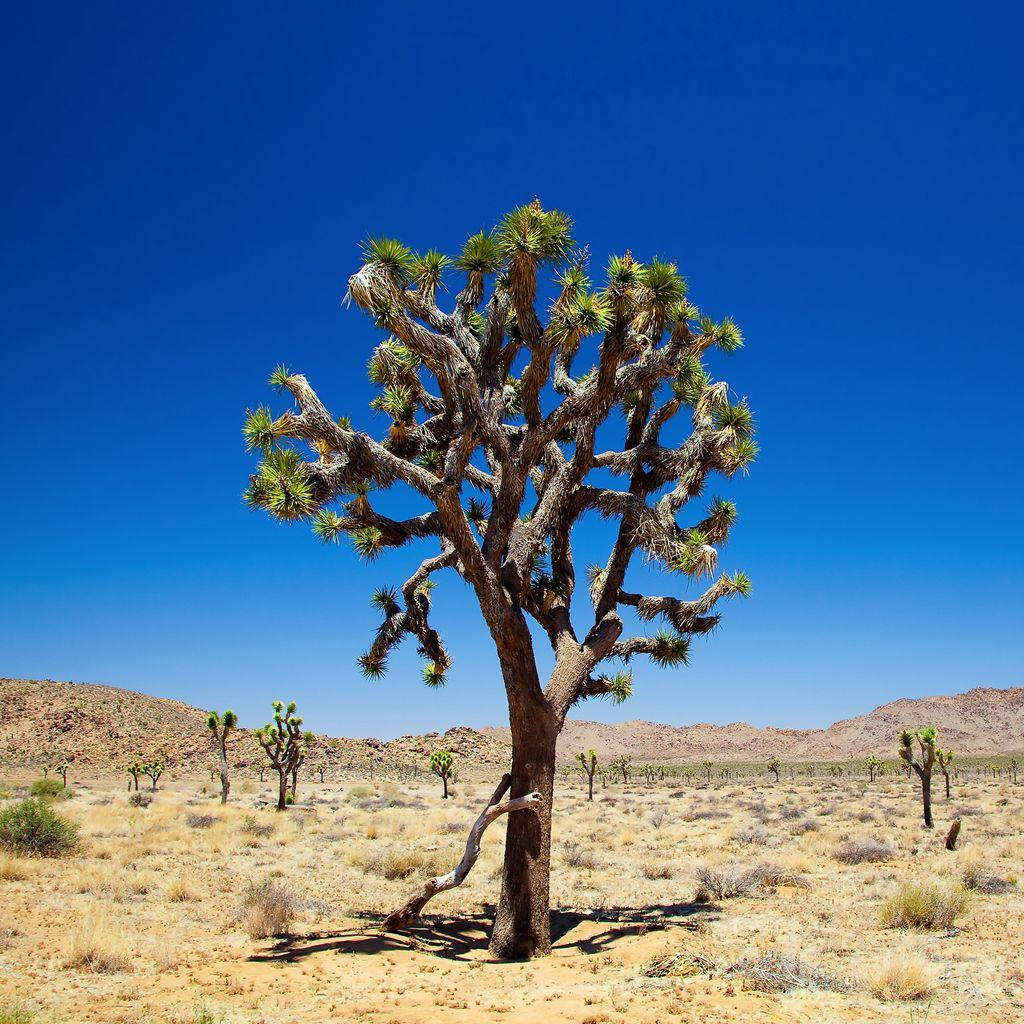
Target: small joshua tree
(260,770)
(62,769)
(922,765)
(134,770)
(622,764)
(154,769)
(320,769)
(220,725)
(285,745)
(872,764)
(708,767)
(589,762)
(774,764)
(442,765)
(944,759)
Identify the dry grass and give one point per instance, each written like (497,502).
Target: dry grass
(774,972)
(863,851)
(268,909)
(901,978)
(924,905)
(97,946)
(13,869)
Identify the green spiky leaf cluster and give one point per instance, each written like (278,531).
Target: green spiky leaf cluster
(282,486)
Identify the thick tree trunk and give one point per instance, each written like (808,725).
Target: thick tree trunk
(947,784)
(522,925)
(926,793)
(282,790)
(295,784)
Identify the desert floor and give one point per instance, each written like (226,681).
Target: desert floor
(146,923)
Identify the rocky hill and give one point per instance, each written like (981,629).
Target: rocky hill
(101,727)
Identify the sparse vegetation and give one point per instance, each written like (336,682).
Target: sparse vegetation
(442,764)
(268,910)
(863,851)
(924,905)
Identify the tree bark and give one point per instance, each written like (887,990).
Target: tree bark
(282,789)
(225,782)
(522,925)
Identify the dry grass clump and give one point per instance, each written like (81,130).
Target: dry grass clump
(863,851)
(653,868)
(182,891)
(577,856)
(901,978)
(200,820)
(98,947)
(924,905)
(730,880)
(268,909)
(774,972)
(678,965)
(13,869)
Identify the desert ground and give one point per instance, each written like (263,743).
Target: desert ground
(161,914)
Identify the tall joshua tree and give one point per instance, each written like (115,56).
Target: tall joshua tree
(220,726)
(922,765)
(498,435)
(589,762)
(872,763)
(774,764)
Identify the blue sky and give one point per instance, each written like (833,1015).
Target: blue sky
(183,194)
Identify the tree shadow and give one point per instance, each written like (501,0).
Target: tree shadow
(455,938)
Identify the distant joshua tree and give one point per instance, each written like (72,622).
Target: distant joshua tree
(134,770)
(154,769)
(285,745)
(622,764)
(62,768)
(441,764)
(220,725)
(774,764)
(872,764)
(320,769)
(944,759)
(589,762)
(922,765)
(708,767)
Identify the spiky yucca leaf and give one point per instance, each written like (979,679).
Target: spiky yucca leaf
(579,317)
(327,525)
(432,459)
(426,270)
(433,676)
(740,455)
(729,338)
(372,668)
(539,235)
(736,420)
(260,430)
(386,599)
(280,378)
(624,272)
(512,396)
(481,254)
(671,648)
(741,584)
(397,402)
(476,513)
(367,542)
(691,380)
(285,490)
(394,258)
(695,556)
(620,686)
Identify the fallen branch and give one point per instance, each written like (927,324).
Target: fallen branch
(495,808)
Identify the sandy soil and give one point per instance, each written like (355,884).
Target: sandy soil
(145,924)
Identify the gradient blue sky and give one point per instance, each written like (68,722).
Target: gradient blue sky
(183,193)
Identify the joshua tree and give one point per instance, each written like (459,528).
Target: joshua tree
(320,769)
(154,769)
(922,766)
(442,764)
(62,768)
(134,770)
(494,430)
(649,772)
(589,762)
(220,725)
(708,767)
(774,764)
(622,764)
(944,759)
(1012,767)
(285,745)
(872,764)
(260,770)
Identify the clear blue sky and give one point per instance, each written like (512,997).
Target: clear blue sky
(183,193)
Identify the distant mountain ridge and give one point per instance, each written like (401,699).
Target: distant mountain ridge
(101,727)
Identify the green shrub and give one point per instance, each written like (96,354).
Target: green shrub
(32,828)
(48,789)
(924,906)
(15,1016)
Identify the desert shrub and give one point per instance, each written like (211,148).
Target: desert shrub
(790,811)
(924,905)
(32,828)
(807,825)
(752,835)
(863,851)
(453,828)
(398,863)
(13,1015)
(979,877)
(774,972)
(200,820)
(268,909)
(251,827)
(773,876)
(139,799)
(726,881)
(12,870)
(180,891)
(656,867)
(576,856)
(900,979)
(361,792)
(48,789)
